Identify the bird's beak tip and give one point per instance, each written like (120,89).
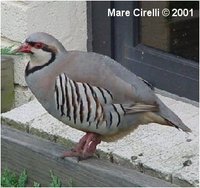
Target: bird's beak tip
(24,48)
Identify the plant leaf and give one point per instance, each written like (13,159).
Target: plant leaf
(23,178)
(55,180)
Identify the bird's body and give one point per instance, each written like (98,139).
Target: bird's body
(91,92)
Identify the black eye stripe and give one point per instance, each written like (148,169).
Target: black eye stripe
(45,47)
(31,43)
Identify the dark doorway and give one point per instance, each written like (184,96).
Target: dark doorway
(162,50)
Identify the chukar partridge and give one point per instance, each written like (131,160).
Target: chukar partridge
(91,92)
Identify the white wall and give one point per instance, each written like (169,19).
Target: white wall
(66,20)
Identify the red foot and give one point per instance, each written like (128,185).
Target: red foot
(85,148)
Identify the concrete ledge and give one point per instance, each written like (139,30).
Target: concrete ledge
(91,172)
(159,151)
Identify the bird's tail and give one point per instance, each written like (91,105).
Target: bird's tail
(170,118)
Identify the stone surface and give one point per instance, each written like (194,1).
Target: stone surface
(22,95)
(14,20)
(156,150)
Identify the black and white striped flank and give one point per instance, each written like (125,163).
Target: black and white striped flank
(83,104)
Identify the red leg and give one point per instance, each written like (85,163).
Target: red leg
(90,145)
(85,148)
(81,143)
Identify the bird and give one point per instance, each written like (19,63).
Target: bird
(91,92)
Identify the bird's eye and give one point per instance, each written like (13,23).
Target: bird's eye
(38,45)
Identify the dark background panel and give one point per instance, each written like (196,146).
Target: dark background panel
(120,38)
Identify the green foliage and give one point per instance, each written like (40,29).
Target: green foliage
(35,184)
(55,180)
(8,51)
(23,178)
(10,179)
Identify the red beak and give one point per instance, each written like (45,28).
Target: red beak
(24,48)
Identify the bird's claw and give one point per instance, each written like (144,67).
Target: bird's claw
(85,148)
(80,155)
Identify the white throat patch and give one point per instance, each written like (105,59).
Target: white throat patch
(40,57)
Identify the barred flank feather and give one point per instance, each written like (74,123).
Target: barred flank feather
(80,102)
(84,104)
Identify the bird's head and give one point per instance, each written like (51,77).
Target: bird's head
(41,47)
